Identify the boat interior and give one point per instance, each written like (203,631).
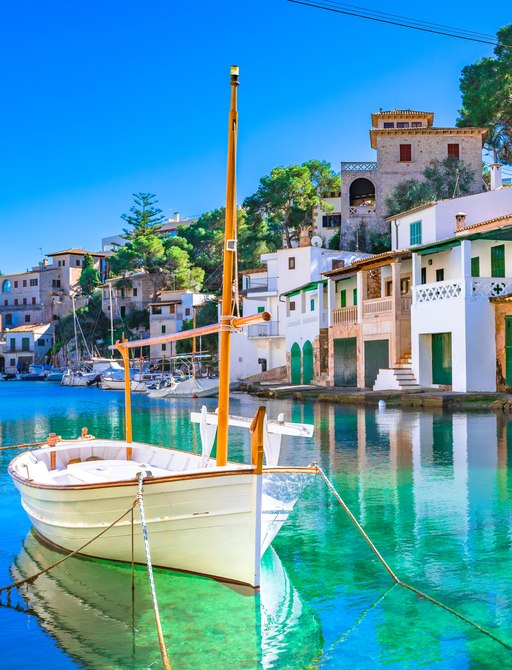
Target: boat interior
(106,461)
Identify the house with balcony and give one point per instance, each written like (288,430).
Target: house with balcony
(264,348)
(125,295)
(405,142)
(369,320)
(24,346)
(166,316)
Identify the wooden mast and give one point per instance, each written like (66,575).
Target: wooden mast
(227,280)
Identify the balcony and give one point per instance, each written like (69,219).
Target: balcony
(368,166)
(377,306)
(20,308)
(268,329)
(262,285)
(470,289)
(344,316)
(362,210)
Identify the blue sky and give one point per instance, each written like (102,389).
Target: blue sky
(104,99)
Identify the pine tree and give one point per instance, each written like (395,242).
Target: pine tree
(144,217)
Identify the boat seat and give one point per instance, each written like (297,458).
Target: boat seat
(91,458)
(74,460)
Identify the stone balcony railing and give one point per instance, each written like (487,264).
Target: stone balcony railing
(362,210)
(372,309)
(357,166)
(469,289)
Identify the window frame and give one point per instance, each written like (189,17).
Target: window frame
(415,233)
(405,155)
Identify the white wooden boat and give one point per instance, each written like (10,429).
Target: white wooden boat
(114,380)
(212,517)
(195,387)
(89,374)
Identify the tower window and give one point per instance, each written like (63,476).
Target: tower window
(405,153)
(454,151)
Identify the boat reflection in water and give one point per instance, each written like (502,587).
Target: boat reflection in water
(86,606)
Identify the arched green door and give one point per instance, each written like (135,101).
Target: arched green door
(307,363)
(295,363)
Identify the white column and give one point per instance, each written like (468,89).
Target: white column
(362,282)
(331,299)
(465,259)
(416,274)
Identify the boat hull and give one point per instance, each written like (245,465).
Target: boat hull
(207,525)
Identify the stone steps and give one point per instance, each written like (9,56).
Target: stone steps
(396,379)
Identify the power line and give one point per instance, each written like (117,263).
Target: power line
(402,21)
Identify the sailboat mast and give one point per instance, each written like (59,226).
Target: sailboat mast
(111,319)
(227,280)
(74,324)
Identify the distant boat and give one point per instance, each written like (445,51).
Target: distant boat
(36,373)
(113,380)
(55,375)
(195,387)
(89,372)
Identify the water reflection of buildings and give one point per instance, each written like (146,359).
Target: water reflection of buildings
(86,606)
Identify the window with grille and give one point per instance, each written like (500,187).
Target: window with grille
(405,153)
(415,233)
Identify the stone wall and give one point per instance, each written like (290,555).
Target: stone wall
(501,310)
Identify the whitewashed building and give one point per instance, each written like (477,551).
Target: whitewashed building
(263,348)
(25,345)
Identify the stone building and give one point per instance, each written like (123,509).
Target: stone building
(405,141)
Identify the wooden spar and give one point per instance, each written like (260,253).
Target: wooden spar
(124,351)
(227,278)
(187,334)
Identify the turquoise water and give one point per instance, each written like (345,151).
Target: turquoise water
(433,490)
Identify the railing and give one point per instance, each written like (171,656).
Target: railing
(362,210)
(368,166)
(490,287)
(269,329)
(344,316)
(377,306)
(261,285)
(441,290)
(20,308)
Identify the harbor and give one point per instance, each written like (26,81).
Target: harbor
(436,506)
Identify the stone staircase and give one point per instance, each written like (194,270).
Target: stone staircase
(398,378)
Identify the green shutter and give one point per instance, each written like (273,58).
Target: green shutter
(498,261)
(415,232)
(261,309)
(354,297)
(475,266)
(343,298)
(312,304)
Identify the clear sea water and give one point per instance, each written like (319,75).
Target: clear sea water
(433,490)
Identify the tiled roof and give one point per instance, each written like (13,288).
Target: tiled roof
(28,328)
(369,260)
(484,223)
(501,298)
(78,252)
(402,114)
(425,131)
(253,271)
(413,209)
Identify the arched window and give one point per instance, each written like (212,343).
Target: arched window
(6,286)
(362,192)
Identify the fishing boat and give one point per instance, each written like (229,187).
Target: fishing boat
(113,380)
(195,387)
(205,515)
(89,372)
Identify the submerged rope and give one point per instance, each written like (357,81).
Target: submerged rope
(393,576)
(163,651)
(32,578)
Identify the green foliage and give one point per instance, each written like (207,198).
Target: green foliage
(90,277)
(144,217)
(286,197)
(444,179)
(137,318)
(486,88)
(94,324)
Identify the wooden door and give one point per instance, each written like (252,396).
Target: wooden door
(345,361)
(376,357)
(508,350)
(296,364)
(442,358)
(307,363)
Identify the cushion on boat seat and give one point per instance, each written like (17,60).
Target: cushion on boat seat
(74,460)
(91,458)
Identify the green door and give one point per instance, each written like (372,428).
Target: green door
(296,363)
(442,358)
(508,350)
(345,361)
(376,357)
(498,261)
(307,363)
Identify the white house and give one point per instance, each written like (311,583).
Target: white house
(166,316)
(263,348)
(24,346)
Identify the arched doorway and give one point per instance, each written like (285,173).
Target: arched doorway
(307,364)
(362,192)
(295,363)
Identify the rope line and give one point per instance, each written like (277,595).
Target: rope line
(163,651)
(32,578)
(393,576)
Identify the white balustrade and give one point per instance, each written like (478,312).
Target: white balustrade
(344,316)
(441,290)
(476,287)
(377,306)
(490,287)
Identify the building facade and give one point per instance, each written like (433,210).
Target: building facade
(24,346)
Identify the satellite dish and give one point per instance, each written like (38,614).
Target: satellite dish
(316,241)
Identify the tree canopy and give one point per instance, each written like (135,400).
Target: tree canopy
(286,197)
(90,277)
(145,218)
(449,178)
(486,88)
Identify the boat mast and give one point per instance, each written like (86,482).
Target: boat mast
(74,324)
(111,319)
(227,280)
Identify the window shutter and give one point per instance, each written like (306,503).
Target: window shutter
(454,151)
(405,152)
(475,266)
(343,298)
(498,261)
(354,297)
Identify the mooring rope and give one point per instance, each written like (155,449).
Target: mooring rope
(163,650)
(393,576)
(32,578)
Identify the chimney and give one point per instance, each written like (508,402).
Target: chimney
(495,176)
(304,240)
(176,217)
(460,220)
